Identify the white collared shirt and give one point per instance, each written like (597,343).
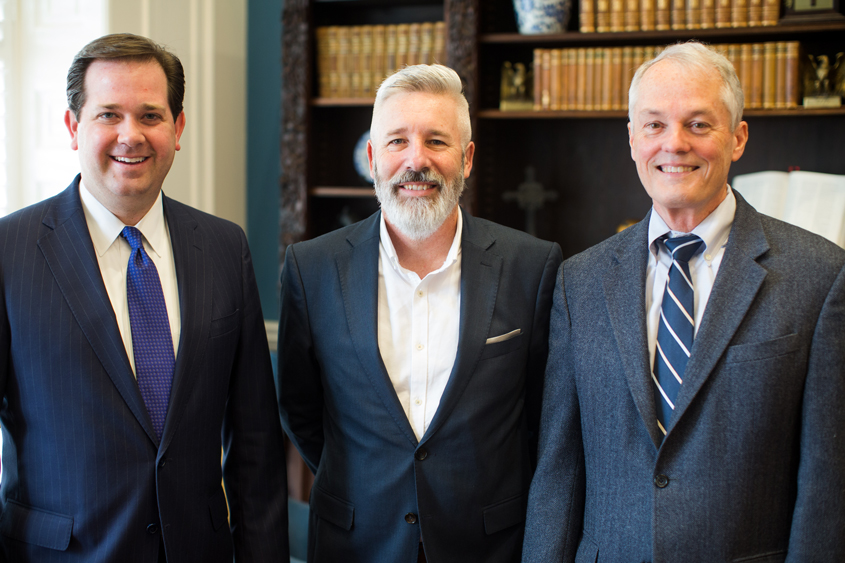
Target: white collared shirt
(113,258)
(418,326)
(714,231)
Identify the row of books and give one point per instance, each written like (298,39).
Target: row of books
(352,61)
(598,78)
(647,15)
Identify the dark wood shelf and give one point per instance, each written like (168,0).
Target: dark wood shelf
(614,114)
(745,34)
(341,191)
(342,102)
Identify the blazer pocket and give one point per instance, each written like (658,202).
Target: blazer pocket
(771,557)
(35,526)
(332,509)
(218,509)
(505,514)
(762,350)
(225,325)
(500,345)
(588,551)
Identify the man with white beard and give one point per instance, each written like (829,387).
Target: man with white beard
(412,347)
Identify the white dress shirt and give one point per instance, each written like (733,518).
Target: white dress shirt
(704,266)
(113,257)
(418,325)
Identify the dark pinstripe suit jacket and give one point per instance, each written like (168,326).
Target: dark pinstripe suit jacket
(84,476)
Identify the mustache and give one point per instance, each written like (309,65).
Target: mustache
(424,175)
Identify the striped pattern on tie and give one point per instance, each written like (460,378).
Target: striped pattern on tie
(676,327)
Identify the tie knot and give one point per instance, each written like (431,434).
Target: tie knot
(683,248)
(133,237)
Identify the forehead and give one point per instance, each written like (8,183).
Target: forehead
(418,111)
(116,81)
(668,88)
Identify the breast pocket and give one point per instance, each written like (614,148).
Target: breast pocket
(763,350)
(225,325)
(502,344)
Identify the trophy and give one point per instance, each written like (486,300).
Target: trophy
(824,84)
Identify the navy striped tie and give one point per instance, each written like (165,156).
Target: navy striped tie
(676,328)
(152,342)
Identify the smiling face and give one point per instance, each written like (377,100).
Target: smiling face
(126,135)
(417,161)
(682,142)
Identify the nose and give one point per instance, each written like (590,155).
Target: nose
(418,158)
(676,140)
(130,133)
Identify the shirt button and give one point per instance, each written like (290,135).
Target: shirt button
(419,346)
(420,293)
(411,518)
(661,481)
(417,401)
(708,257)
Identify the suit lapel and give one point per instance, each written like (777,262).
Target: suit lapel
(195,280)
(624,292)
(737,283)
(480,273)
(70,254)
(357,268)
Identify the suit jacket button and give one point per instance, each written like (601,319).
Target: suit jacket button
(411,518)
(161,464)
(421,454)
(660,481)
(152,529)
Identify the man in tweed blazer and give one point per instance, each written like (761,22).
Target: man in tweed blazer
(87,477)
(750,463)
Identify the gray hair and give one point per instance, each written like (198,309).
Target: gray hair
(429,79)
(696,56)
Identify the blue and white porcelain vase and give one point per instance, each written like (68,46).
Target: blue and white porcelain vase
(542,16)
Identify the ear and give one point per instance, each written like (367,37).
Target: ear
(741,138)
(180,126)
(370,158)
(72,125)
(631,139)
(468,154)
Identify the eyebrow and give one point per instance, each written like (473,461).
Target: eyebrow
(694,113)
(432,132)
(145,107)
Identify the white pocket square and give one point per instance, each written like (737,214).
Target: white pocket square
(503,337)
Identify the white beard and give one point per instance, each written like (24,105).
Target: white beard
(418,217)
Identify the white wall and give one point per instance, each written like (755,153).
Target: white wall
(209,36)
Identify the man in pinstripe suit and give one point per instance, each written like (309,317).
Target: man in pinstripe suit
(88,473)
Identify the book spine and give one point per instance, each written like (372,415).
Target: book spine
(628,70)
(755,13)
(756,76)
(344,68)
(572,79)
(587,16)
(538,79)
(602,16)
(554,79)
(745,58)
(733,55)
(402,38)
(378,58)
(414,40)
(693,14)
(367,78)
(390,42)
(723,13)
(334,62)
(581,92)
(564,79)
(647,15)
(632,15)
(771,12)
(356,84)
(708,14)
(440,43)
(739,13)
(780,74)
(769,75)
(322,37)
(616,79)
(617,15)
(679,14)
(662,15)
(606,79)
(426,43)
(793,77)
(590,94)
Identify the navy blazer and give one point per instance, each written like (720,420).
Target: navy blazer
(752,467)
(85,479)
(464,485)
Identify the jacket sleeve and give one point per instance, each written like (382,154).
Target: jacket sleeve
(298,386)
(556,498)
(818,522)
(254,468)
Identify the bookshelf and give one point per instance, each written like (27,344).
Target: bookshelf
(582,155)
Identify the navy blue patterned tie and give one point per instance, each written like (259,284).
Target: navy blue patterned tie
(152,342)
(676,328)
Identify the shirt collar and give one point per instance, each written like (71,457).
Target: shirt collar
(105,227)
(451,257)
(713,230)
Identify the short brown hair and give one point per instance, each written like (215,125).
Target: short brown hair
(125,46)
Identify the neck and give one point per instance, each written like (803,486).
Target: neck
(425,255)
